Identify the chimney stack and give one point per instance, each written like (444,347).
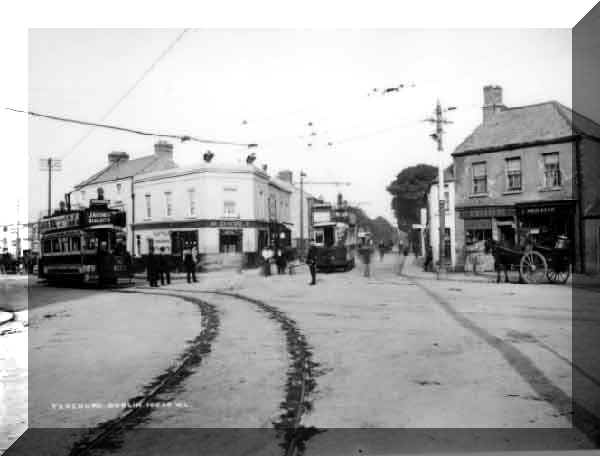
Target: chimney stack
(285,175)
(492,102)
(164,149)
(115,157)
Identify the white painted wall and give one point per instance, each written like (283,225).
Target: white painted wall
(450,220)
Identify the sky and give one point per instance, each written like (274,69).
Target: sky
(265,86)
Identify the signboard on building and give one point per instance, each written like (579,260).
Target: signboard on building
(486,212)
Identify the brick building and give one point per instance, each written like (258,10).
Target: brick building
(532,170)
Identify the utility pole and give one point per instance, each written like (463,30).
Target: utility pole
(48,164)
(18,243)
(439,121)
(302,176)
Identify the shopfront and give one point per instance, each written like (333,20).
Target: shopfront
(544,221)
(489,222)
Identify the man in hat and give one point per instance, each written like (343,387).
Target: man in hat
(152,268)
(311,260)
(164,267)
(189,264)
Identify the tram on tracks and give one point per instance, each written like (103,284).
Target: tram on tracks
(334,236)
(85,245)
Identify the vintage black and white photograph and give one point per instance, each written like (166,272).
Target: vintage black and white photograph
(302,241)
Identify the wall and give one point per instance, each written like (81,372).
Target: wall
(532,176)
(449,220)
(590,202)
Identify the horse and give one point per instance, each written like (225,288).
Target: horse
(504,258)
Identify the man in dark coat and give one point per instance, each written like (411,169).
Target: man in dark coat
(189,264)
(164,267)
(428,258)
(311,260)
(104,265)
(152,268)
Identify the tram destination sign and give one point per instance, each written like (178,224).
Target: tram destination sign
(96,217)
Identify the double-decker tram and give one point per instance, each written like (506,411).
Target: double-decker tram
(334,236)
(84,245)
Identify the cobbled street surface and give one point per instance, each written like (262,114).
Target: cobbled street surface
(392,351)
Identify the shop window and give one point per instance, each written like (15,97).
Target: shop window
(473,236)
(75,244)
(55,246)
(229,209)
(551,170)
(192,202)
(148,199)
(479,178)
(168,204)
(513,174)
(47,246)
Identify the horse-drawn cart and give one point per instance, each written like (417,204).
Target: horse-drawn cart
(535,262)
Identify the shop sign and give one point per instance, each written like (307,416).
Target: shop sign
(230,224)
(486,212)
(478,224)
(537,210)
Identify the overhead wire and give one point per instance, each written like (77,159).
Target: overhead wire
(128,92)
(182,138)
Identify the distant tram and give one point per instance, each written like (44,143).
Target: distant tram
(70,243)
(334,235)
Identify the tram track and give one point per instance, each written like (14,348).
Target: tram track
(106,435)
(300,381)
(300,378)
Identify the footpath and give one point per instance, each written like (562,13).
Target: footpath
(410,266)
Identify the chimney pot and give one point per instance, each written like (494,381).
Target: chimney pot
(164,149)
(492,102)
(285,175)
(117,156)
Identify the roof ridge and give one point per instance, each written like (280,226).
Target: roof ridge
(533,105)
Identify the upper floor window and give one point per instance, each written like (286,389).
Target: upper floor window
(119,186)
(513,173)
(192,202)
(82,195)
(169,204)
(479,178)
(551,170)
(229,209)
(148,199)
(447,201)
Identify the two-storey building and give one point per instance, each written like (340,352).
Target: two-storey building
(527,170)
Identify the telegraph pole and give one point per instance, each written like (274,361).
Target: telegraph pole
(302,176)
(439,121)
(48,164)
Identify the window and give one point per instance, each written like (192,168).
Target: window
(551,170)
(229,209)
(479,178)
(447,201)
(168,204)
(75,244)
(513,174)
(148,206)
(82,195)
(192,202)
(119,186)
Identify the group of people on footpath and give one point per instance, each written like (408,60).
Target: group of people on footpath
(279,256)
(159,266)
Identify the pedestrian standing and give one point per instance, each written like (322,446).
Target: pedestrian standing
(366,251)
(164,267)
(267,254)
(311,260)
(190,264)
(381,250)
(281,261)
(152,267)
(428,258)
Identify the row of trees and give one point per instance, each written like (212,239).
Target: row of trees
(381,229)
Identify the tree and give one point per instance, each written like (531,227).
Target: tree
(409,193)
(381,229)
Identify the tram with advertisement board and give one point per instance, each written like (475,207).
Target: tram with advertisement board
(334,236)
(85,245)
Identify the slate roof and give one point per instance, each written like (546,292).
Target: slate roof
(528,124)
(127,168)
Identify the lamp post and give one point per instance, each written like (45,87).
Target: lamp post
(302,176)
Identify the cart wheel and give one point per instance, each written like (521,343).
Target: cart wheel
(558,276)
(533,267)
